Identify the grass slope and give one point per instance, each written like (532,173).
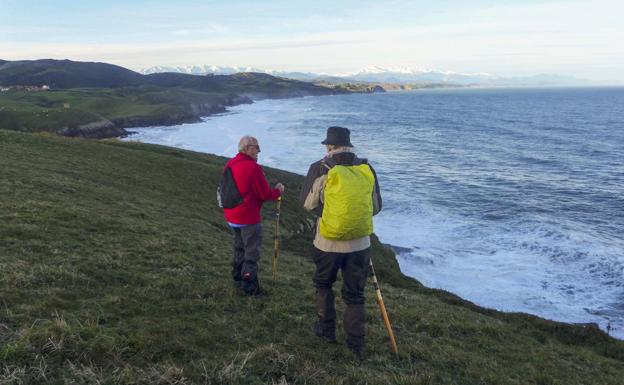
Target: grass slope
(115,270)
(62,111)
(66,74)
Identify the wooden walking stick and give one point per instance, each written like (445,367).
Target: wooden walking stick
(278,203)
(382,307)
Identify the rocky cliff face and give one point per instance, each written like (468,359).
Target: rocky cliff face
(95,130)
(207,109)
(106,128)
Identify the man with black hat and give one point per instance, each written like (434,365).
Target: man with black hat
(343,191)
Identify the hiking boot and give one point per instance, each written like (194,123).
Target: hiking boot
(356,345)
(250,284)
(257,293)
(252,288)
(328,335)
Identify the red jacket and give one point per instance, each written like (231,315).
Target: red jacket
(252,186)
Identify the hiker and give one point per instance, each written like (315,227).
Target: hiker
(343,191)
(244,219)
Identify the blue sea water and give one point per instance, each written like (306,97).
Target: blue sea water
(511,198)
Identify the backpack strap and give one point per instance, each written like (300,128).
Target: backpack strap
(330,162)
(327,163)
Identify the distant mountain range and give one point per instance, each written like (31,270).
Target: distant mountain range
(254,82)
(382,75)
(66,74)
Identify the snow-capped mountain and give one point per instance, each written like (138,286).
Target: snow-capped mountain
(392,75)
(415,75)
(200,70)
(220,70)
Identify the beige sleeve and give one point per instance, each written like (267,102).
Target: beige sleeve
(313,200)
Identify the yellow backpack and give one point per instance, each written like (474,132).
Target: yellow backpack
(347,203)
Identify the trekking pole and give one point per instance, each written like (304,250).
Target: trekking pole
(278,203)
(382,307)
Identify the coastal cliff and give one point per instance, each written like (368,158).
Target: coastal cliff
(115,269)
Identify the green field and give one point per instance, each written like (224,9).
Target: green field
(60,110)
(114,262)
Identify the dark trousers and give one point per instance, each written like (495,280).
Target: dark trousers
(247,242)
(354,267)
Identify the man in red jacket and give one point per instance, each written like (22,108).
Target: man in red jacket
(245,219)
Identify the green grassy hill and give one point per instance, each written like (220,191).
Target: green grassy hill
(66,74)
(114,262)
(103,112)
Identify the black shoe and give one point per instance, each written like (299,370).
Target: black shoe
(250,284)
(258,292)
(327,335)
(252,288)
(357,347)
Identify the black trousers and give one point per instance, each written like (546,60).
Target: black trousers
(354,267)
(247,242)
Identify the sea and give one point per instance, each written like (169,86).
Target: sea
(510,198)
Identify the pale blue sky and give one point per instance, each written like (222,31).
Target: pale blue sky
(578,38)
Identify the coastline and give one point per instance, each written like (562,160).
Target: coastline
(116,128)
(100,100)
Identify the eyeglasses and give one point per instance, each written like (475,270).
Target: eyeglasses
(254,145)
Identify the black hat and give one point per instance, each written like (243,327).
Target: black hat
(338,136)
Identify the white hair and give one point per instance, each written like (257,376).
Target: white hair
(246,141)
(333,149)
